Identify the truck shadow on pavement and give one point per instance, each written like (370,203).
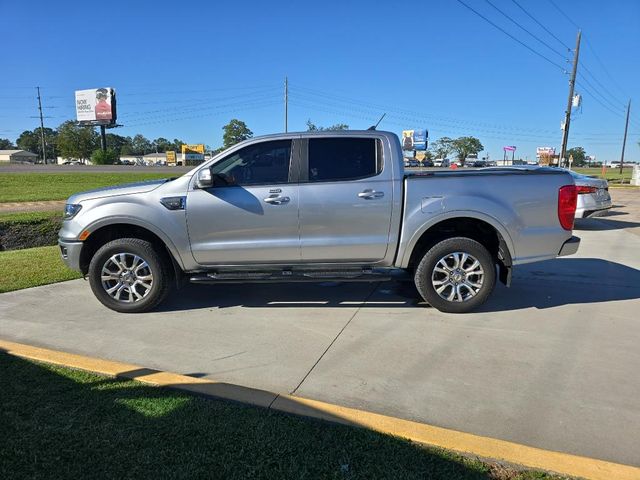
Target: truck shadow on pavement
(553,283)
(566,281)
(602,223)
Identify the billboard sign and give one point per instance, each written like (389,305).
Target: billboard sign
(96,106)
(414,139)
(545,152)
(193,152)
(407,140)
(420,139)
(171,157)
(509,148)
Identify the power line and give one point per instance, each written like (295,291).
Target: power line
(542,25)
(532,50)
(584,79)
(564,14)
(390,108)
(525,30)
(584,88)
(210,114)
(199,102)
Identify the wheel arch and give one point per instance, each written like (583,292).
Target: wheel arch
(106,231)
(489,233)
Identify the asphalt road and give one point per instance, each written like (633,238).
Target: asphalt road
(551,362)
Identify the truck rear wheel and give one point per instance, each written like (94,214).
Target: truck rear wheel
(456,275)
(128,275)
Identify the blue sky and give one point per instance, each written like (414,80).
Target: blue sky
(183,70)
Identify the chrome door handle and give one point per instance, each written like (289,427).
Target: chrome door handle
(277,200)
(370,194)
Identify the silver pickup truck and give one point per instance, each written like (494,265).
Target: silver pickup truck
(317,207)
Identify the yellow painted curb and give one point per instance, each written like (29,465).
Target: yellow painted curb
(486,447)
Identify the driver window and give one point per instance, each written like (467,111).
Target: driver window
(264,163)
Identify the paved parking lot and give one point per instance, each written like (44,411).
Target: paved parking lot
(552,362)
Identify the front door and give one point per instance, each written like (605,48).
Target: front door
(255,219)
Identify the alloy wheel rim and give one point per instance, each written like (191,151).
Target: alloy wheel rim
(126,277)
(457,277)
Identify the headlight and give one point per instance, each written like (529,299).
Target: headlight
(71,210)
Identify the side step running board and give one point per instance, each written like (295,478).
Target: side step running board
(367,275)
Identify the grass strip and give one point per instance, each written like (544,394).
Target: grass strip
(64,423)
(29,187)
(32,267)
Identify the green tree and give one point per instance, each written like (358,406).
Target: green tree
(161,145)
(77,142)
(177,145)
(465,146)
(6,144)
(140,145)
(235,132)
(104,157)
(121,145)
(31,141)
(442,147)
(311,127)
(579,156)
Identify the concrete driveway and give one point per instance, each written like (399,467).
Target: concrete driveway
(551,362)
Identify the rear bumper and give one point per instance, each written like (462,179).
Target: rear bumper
(569,247)
(70,252)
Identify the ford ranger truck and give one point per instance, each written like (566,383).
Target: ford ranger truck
(318,206)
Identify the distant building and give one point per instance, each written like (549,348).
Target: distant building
(17,156)
(155,159)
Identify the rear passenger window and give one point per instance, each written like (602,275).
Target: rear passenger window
(332,159)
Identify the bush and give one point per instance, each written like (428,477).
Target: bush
(104,157)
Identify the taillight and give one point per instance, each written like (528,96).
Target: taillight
(584,189)
(567,200)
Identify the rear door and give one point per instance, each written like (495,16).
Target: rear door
(346,200)
(253,221)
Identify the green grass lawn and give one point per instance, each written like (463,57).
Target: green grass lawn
(32,267)
(63,423)
(611,174)
(26,187)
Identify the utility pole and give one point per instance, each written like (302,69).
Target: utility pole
(44,150)
(624,139)
(567,115)
(286,104)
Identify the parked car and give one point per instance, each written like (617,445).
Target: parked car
(414,163)
(593,195)
(438,162)
(427,163)
(446,163)
(318,206)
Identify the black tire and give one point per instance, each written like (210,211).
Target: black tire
(441,250)
(158,265)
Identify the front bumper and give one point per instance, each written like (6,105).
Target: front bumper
(70,252)
(569,247)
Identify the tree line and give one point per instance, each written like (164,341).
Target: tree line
(71,140)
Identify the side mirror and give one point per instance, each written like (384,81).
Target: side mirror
(204,179)
(207,180)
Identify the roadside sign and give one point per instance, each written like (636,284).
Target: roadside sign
(194,153)
(171,157)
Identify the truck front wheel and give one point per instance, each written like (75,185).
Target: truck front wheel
(129,275)
(456,275)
